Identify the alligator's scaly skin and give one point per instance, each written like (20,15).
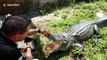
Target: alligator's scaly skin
(79,32)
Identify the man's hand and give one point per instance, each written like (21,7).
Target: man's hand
(24,48)
(27,51)
(44,32)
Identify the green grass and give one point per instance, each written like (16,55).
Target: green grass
(70,16)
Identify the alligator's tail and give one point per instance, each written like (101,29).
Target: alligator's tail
(101,21)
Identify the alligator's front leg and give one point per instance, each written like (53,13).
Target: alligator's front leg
(79,46)
(97,32)
(77,55)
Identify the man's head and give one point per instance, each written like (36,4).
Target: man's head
(15,27)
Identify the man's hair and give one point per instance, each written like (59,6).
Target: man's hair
(14,24)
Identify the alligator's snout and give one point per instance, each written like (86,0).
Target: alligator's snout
(51,47)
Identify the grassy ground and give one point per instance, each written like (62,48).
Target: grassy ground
(70,15)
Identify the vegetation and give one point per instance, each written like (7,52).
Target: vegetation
(71,14)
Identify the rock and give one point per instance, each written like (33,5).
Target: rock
(41,20)
(100,13)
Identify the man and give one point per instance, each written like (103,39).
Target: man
(14,29)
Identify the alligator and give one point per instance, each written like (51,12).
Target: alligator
(75,35)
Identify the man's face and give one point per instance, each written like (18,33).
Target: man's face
(22,36)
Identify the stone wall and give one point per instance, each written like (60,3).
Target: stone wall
(40,3)
(21,6)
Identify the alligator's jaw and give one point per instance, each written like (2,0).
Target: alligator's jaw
(51,47)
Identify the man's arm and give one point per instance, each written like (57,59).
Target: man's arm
(42,31)
(27,52)
(32,31)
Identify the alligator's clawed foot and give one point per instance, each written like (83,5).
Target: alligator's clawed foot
(99,38)
(78,56)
